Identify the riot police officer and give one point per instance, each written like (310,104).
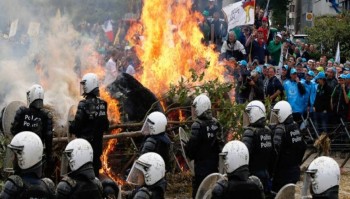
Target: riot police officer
(324,174)
(156,138)
(81,182)
(239,183)
(205,142)
(289,147)
(148,172)
(27,181)
(91,118)
(35,119)
(258,139)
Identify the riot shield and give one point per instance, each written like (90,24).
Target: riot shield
(8,116)
(207,186)
(183,141)
(289,191)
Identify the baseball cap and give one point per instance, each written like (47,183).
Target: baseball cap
(243,63)
(311,73)
(321,75)
(293,71)
(260,29)
(279,35)
(264,19)
(320,68)
(285,67)
(342,76)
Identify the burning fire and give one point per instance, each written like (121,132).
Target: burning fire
(113,115)
(168,43)
(171,45)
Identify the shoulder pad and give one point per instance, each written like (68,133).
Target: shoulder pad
(63,189)
(223,182)
(98,183)
(219,188)
(256,181)
(143,193)
(17,180)
(71,182)
(47,113)
(49,184)
(81,104)
(22,108)
(196,125)
(248,132)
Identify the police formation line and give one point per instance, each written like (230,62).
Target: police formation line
(256,167)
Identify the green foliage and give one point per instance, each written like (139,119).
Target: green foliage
(278,8)
(328,31)
(228,114)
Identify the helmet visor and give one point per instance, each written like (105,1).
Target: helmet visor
(82,87)
(193,112)
(13,158)
(136,175)
(274,117)
(64,165)
(147,127)
(246,120)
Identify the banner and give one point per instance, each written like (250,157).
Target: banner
(240,13)
(33,29)
(13,28)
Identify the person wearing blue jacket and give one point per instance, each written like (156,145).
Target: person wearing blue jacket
(294,93)
(310,91)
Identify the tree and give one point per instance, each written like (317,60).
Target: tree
(328,31)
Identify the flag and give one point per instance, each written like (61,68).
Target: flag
(266,12)
(337,55)
(108,29)
(13,28)
(240,13)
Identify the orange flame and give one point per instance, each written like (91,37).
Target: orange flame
(181,117)
(171,45)
(113,116)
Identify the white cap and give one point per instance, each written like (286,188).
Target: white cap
(279,35)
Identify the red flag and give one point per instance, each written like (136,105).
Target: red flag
(108,28)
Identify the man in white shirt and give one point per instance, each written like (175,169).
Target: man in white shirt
(111,71)
(233,48)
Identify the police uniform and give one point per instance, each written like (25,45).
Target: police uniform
(290,149)
(160,144)
(81,183)
(258,139)
(238,185)
(155,191)
(90,122)
(332,193)
(28,184)
(38,121)
(204,147)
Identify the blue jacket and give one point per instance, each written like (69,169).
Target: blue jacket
(295,93)
(310,93)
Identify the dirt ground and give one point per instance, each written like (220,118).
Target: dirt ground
(180,187)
